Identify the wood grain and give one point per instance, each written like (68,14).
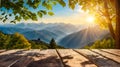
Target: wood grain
(8,57)
(27,57)
(108,55)
(46,58)
(112,51)
(73,59)
(97,59)
(60,58)
(2,51)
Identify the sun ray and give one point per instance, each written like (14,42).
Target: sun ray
(90,19)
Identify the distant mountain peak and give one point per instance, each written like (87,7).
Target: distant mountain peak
(83,37)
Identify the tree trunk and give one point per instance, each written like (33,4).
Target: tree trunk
(109,20)
(111,28)
(117,24)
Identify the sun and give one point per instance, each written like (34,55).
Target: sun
(90,19)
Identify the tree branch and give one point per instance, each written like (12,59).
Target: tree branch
(109,20)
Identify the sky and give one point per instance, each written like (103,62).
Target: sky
(63,15)
(66,15)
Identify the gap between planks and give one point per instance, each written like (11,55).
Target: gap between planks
(25,57)
(74,59)
(95,58)
(7,58)
(107,55)
(61,60)
(85,56)
(47,52)
(63,65)
(111,52)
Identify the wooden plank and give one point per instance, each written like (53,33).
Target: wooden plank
(99,60)
(112,51)
(27,58)
(43,58)
(11,57)
(73,59)
(108,55)
(29,52)
(2,51)
(8,52)
(8,57)
(22,62)
(47,58)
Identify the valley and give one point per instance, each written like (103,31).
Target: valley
(66,35)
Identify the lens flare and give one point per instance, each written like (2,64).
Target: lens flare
(90,19)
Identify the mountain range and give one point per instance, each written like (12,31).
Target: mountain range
(45,32)
(66,35)
(84,37)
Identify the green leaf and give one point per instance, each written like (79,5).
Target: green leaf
(51,13)
(40,14)
(49,7)
(61,2)
(54,3)
(44,3)
(34,16)
(6,16)
(10,14)
(4,20)
(36,3)
(13,21)
(43,11)
(72,4)
(1,18)
(18,18)
(3,13)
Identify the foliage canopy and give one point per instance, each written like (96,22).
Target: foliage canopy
(21,9)
(15,41)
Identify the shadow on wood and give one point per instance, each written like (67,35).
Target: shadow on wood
(46,62)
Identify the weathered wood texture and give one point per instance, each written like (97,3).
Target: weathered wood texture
(73,59)
(2,51)
(37,58)
(108,55)
(112,51)
(98,59)
(60,58)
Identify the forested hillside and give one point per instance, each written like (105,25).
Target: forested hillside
(106,43)
(18,41)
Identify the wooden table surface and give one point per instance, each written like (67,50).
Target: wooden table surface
(60,58)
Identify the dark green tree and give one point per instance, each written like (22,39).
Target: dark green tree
(4,40)
(53,44)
